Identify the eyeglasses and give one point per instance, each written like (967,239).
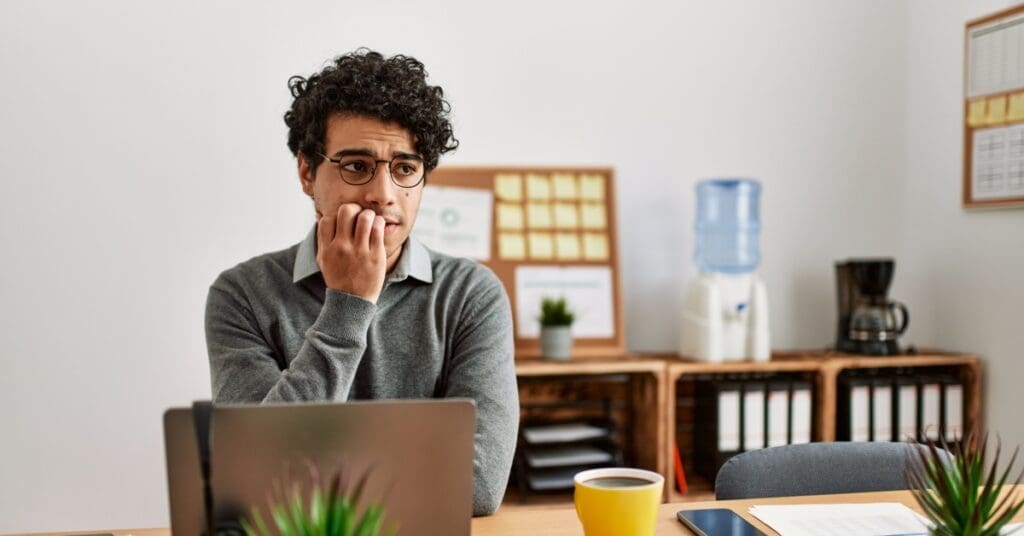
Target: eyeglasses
(407,171)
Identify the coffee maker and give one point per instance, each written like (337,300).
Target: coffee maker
(869,323)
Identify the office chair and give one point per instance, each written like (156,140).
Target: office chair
(816,469)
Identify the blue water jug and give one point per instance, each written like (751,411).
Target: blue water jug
(728,225)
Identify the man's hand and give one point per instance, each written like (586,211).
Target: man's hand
(351,252)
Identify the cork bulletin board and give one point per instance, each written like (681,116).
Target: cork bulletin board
(993,174)
(544,231)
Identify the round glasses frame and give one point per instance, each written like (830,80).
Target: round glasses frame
(356,178)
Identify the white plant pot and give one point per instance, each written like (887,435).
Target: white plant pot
(556,342)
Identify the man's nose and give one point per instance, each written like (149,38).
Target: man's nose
(381,189)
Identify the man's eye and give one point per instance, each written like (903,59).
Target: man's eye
(405,169)
(357,166)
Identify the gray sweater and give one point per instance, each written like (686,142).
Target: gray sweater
(442,327)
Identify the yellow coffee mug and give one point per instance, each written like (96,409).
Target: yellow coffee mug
(618,501)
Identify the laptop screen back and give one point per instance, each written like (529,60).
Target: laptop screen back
(418,454)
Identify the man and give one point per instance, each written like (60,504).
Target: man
(360,309)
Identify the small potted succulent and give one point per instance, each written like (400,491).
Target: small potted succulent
(330,511)
(555,328)
(963,496)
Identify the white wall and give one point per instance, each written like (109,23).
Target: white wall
(962,271)
(142,151)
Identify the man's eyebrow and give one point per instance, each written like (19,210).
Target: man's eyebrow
(362,151)
(407,156)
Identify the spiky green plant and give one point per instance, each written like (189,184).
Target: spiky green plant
(963,496)
(555,312)
(330,512)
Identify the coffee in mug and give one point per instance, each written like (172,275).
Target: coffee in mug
(618,482)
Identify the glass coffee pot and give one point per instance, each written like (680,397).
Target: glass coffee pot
(877,324)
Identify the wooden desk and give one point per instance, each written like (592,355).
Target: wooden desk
(563,521)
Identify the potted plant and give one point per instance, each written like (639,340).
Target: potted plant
(963,496)
(555,328)
(333,511)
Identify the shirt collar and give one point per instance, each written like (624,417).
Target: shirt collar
(415,261)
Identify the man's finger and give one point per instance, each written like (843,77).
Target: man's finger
(325,229)
(377,234)
(347,213)
(364,223)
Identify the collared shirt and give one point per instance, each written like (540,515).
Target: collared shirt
(442,327)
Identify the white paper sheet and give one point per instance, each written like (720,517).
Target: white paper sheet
(456,221)
(840,519)
(557,433)
(561,479)
(587,291)
(994,56)
(881,519)
(998,162)
(570,455)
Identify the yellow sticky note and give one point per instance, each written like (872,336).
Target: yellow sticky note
(538,215)
(976,113)
(538,188)
(567,246)
(510,216)
(508,187)
(1015,110)
(595,247)
(511,246)
(592,216)
(564,185)
(996,110)
(565,216)
(540,246)
(592,187)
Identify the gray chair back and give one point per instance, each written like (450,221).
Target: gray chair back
(815,469)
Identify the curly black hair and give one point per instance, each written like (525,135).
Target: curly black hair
(365,83)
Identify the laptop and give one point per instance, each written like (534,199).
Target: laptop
(418,453)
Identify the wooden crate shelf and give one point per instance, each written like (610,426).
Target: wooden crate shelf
(649,403)
(640,405)
(823,369)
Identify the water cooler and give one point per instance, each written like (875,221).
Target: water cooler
(725,315)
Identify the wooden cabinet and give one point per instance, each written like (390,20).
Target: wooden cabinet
(654,410)
(632,388)
(823,370)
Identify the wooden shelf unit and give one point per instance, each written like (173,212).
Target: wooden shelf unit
(654,380)
(701,489)
(644,400)
(825,368)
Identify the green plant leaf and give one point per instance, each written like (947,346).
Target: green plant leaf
(316,511)
(964,497)
(329,511)
(555,312)
(248,529)
(259,527)
(370,523)
(298,516)
(281,520)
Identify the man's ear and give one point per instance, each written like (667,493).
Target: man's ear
(305,174)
